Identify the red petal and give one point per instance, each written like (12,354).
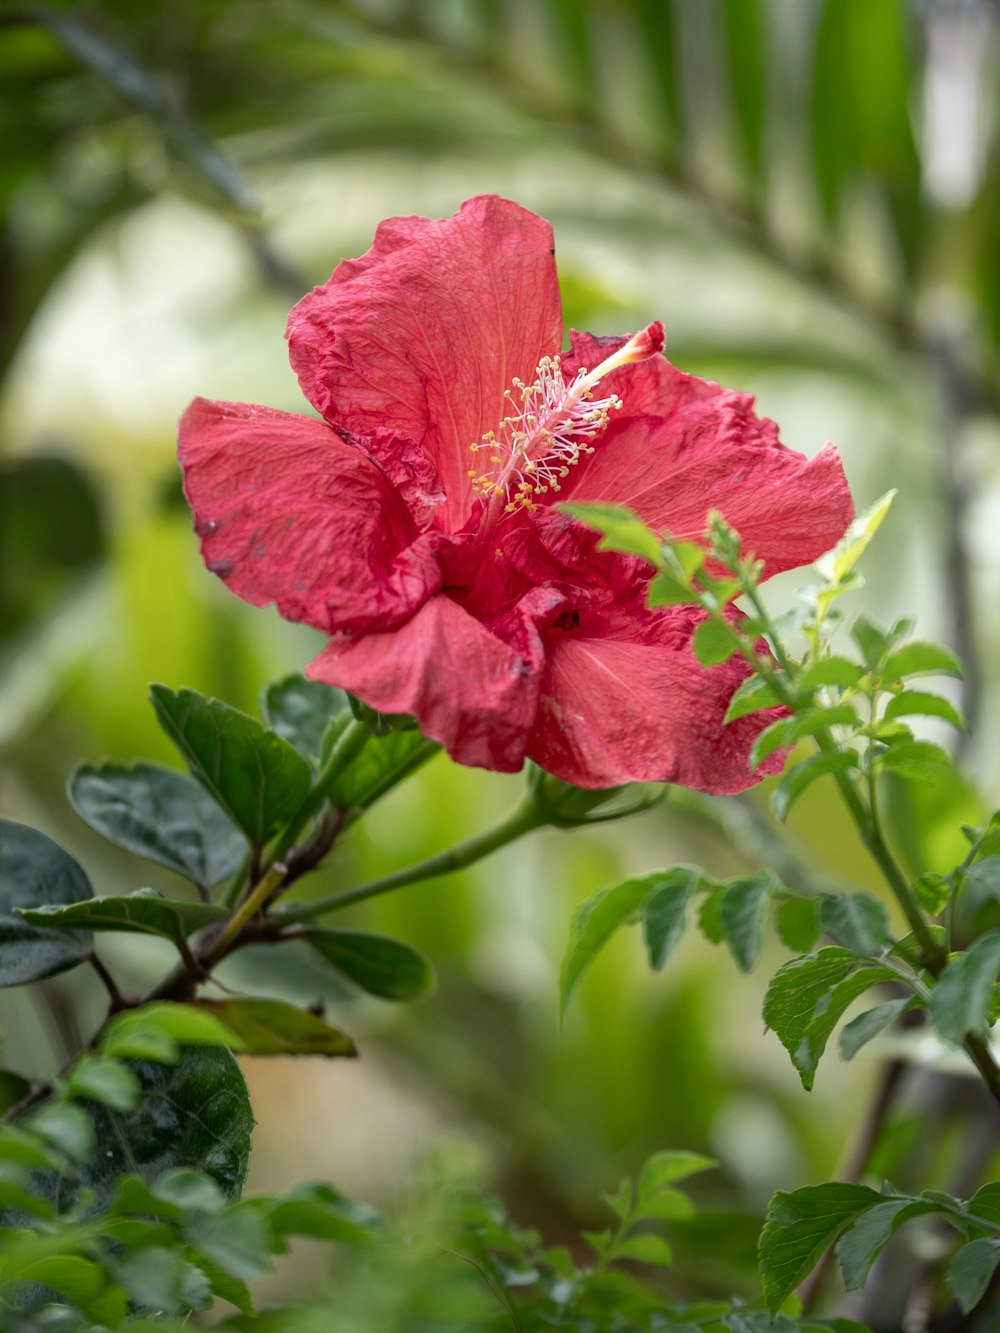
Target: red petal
(468,689)
(289,513)
(616,710)
(421,336)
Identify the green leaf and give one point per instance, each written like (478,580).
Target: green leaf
(238,1239)
(64,1127)
(668,1166)
(963,994)
(160,1279)
(317,1210)
(384,967)
(859,1031)
(870,639)
(916,703)
(970,1271)
(797,920)
(798,1229)
(105,1080)
(849,550)
(258,778)
(838,671)
(932,892)
(743,911)
(710,915)
(713,642)
(12,1089)
(861,1244)
(271,1027)
(985,875)
(665,915)
(159,814)
(788,730)
(985,1203)
(596,921)
(380,765)
(36,872)
(299,710)
(915,759)
(752,695)
(620,529)
(646,1248)
(666,590)
(801,776)
(144,912)
(858,921)
(154,1031)
(920,659)
(807,998)
(745,46)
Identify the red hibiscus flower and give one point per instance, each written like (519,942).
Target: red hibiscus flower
(415,522)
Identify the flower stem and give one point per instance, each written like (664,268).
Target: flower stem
(524,818)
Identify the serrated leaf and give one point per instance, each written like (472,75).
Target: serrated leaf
(807,998)
(665,914)
(258,778)
(300,710)
(971,1270)
(36,872)
(915,759)
(595,922)
(916,703)
(668,1166)
(800,1226)
(849,550)
(620,529)
(160,814)
(985,1203)
(788,730)
(271,1027)
(381,966)
(801,776)
(870,639)
(861,1244)
(751,697)
(710,916)
(383,762)
(962,997)
(160,1279)
(861,1030)
(144,912)
(713,642)
(646,1248)
(858,921)
(797,921)
(920,659)
(837,671)
(742,912)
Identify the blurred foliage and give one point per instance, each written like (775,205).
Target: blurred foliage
(806,189)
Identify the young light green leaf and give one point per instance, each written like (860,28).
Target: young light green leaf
(915,759)
(381,966)
(258,778)
(871,639)
(713,642)
(920,659)
(971,1270)
(665,914)
(667,590)
(861,1030)
(646,1248)
(801,776)
(667,1167)
(797,920)
(858,921)
(160,814)
(752,695)
(299,710)
(317,1210)
(838,671)
(743,911)
(36,872)
(788,730)
(849,550)
(271,1027)
(596,921)
(932,892)
(620,529)
(799,1227)
(144,912)
(104,1080)
(916,703)
(163,1027)
(962,997)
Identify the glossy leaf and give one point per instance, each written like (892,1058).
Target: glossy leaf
(258,778)
(144,912)
(300,711)
(271,1027)
(159,814)
(36,872)
(380,966)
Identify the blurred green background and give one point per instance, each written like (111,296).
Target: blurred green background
(806,192)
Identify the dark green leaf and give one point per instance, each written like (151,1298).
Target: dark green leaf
(317,1210)
(381,966)
(383,762)
(271,1027)
(744,33)
(870,639)
(915,703)
(665,915)
(258,778)
(713,642)
(299,710)
(797,921)
(36,872)
(710,915)
(743,911)
(803,775)
(800,1226)
(145,912)
(858,921)
(859,1031)
(12,1088)
(971,1269)
(985,875)
(160,814)
(985,1203)
(963,994)
(752,695)
(920,659)
(238,1240)
(594,924)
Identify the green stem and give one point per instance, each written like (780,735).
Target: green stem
(524,818)
(254,902)
(351,742)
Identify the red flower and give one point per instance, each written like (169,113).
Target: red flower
(415,522)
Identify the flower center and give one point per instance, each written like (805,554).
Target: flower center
(551,424)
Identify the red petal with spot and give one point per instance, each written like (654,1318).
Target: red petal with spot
(288,513)
(423,334)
